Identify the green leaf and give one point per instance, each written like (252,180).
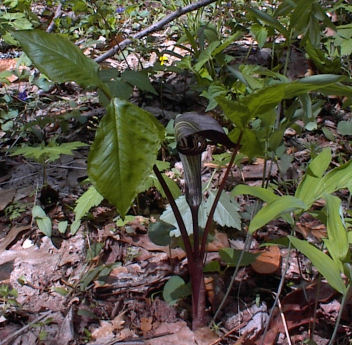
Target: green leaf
(62,226)
(320,163)
(139,79)
(337,242)
(260,34)
(175,289)
(231,257)
(271,21)
(168,217)
(58,58)
(226,212)
(159,233)
(264,194)
(212,266)
(123,152)
(345,127)
(206,55)
(48,153)
(273,210)
(90,198)
(43,221)
(325,265)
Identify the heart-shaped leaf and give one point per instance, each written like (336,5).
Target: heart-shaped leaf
(123,152)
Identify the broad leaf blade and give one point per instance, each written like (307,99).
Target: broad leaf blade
(325,265)
(123,152)
(226,212)
(337,242)
(58,58)
(275,209)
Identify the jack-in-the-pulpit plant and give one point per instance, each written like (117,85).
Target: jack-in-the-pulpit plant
(192,131)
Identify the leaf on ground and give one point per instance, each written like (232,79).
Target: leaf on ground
(268,261)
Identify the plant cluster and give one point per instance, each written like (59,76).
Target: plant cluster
(258,103)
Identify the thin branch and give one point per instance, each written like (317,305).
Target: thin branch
(176,211)
(24,328)
(57,14)
(154,27)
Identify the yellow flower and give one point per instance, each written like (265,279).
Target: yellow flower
(163,59)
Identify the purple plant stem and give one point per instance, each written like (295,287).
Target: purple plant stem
(217,198)
(176,211)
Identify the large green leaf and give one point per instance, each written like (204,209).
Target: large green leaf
(123,152)
(58,58)
(337,242)
(325,265)
(275,209)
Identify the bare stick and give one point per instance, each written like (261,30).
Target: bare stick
(154,27)
(23,329)
(57,14)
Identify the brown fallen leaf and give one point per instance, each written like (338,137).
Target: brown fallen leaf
(268,261)
(11,236)
(179,333)
(6,197)
(146,324)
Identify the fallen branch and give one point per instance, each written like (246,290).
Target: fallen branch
(154,27)
(57,14)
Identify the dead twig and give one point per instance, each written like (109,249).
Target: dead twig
(154,27)
(24,328)
(57,14)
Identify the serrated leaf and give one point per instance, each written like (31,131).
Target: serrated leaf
(226,212)
(274,210)
(48,153)
(86,201)
(168,217)
(325,265)
(58,58)
(42,220)
(123,152)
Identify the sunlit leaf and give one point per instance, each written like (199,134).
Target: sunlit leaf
(325,265)
(123,152)
(58,58)
(274,210)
